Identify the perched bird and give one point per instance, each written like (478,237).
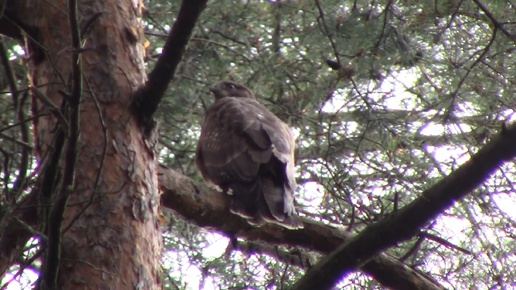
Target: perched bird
(249,153)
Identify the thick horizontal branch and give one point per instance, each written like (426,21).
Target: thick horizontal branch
(209,208)
(405,223)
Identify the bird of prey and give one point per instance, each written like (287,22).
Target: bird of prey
(249,153)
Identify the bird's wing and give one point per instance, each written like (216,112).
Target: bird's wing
(233,143)
(283,146)
(238,141)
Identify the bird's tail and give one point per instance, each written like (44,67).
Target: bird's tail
(263,201)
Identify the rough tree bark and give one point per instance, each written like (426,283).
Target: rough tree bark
(111,237)
(110,231)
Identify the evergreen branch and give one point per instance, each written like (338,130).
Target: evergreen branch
(497,24)
(295,257)
(147,98)
(404,224)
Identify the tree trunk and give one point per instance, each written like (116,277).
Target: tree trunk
(110,233)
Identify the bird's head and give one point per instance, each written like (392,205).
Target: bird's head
(224,89)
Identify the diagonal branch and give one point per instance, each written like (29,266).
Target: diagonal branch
(147,98)
(210,209)
(497,24)
(405,223)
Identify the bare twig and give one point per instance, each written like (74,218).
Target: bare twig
(497,24)
(326,31)
(95,189)
(52,107)
(463,79)
(444,242)
(56,216)
(24,130)
(295,257)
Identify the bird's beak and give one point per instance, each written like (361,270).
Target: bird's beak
(216,91)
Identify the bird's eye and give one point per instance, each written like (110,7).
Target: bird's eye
(231,86)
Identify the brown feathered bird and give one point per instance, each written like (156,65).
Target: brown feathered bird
(249,153)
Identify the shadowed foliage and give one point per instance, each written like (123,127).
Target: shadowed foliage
(401,113)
